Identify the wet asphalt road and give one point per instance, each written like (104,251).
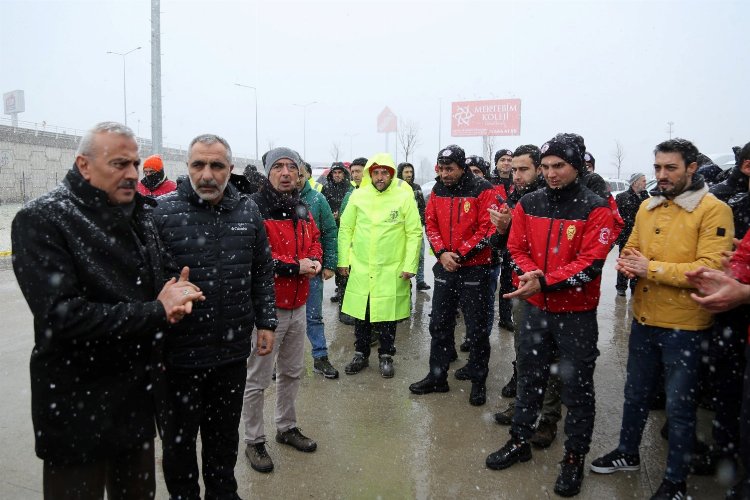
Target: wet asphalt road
(375,439)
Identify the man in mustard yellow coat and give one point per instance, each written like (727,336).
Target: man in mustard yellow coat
(379,239)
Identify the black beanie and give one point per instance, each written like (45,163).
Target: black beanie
(502,152)
(478,162)
(566,148)
(452,153)
(588,157)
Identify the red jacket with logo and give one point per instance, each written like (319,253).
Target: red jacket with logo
(457,220)
(567,233)
(292,235)
(740,265)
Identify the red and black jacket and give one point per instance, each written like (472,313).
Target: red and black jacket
(567,233)
(292,235)
(457,220)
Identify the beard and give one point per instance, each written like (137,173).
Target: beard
(213,195)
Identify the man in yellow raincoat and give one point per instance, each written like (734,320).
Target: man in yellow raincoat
(379,238)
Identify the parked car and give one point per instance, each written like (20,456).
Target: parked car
(427,189)
(616,186)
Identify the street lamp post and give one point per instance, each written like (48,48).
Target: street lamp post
(350,136)
(255,93)
(304,126)
(124,84)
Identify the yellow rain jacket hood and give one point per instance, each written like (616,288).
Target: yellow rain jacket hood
(380,235)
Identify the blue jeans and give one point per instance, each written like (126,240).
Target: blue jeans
(314,314)
(420,269)
(680,352)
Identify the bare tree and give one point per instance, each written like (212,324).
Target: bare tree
(335,151)
(488,147)
(408,137)
(619,154)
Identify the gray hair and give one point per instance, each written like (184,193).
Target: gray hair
(209,139)
(86,146)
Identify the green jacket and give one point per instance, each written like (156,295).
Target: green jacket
(379,237)
(323,217)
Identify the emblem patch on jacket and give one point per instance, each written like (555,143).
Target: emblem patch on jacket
(393,216)
(467,207)
(570,232)
(604,236)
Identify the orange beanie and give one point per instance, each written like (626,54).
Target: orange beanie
(154,163)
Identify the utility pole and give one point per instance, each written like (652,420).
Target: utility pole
(304,126)
(671,124)
(255,93)
(156,131)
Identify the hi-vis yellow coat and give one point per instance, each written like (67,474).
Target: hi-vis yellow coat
(380,234)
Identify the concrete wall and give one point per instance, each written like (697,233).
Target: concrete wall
(33,162)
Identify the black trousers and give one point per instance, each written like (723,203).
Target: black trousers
(210,401)
(573,336)
(727,367)
(469,288)
(745,428)
(363,331)
(129,475)
(505,306)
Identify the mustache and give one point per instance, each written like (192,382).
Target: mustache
(207,183)
(128,184)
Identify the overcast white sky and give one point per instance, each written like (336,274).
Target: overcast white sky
(609,70)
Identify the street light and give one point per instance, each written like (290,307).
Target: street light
(350,136)
(124,86)
(304,126)
(255,93)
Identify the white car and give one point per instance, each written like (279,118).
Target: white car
(616,186)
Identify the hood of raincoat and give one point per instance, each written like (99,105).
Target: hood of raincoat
(378,160)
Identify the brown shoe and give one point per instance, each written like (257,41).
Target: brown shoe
(294,438)
(545,434)
(258,456)
(505,417)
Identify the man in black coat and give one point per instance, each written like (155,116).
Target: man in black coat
(628,203)
(209,225)
(88,259)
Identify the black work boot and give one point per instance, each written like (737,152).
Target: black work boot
(386,366)
(509,391)
(325,368)
(569,480)
(358,363)
(478,394)
(545,434)
(428,385)
(514,451)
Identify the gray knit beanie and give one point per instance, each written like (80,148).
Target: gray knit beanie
(278,153)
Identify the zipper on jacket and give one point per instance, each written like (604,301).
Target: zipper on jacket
(546,254)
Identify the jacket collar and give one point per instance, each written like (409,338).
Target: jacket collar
(688,200)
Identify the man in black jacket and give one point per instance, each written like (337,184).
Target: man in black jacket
(208,225)
(405,171)
(90,264)
(628,203)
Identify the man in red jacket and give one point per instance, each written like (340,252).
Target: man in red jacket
(719,292)
(297,255)
(155,182)
(458,230)
(559,241)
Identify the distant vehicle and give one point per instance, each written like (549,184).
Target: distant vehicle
(427,189)
(724,160)
(321,175)
(616,186)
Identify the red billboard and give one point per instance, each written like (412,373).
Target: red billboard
(387,121)
(480,118)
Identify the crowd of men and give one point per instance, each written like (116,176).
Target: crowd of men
(181,304)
